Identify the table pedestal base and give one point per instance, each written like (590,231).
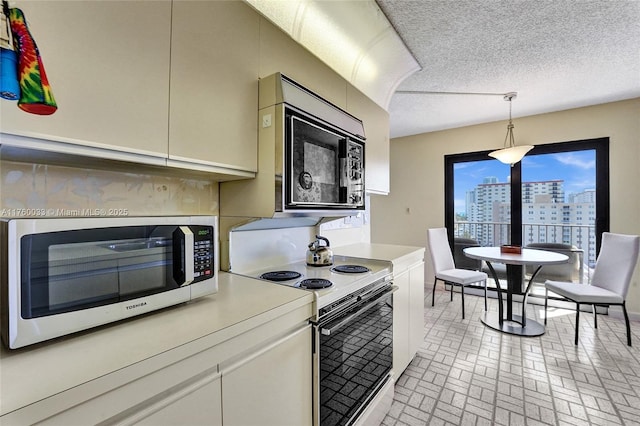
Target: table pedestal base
(533,328)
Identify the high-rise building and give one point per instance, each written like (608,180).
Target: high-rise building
(546,216)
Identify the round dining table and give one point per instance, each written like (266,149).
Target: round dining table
(511,323)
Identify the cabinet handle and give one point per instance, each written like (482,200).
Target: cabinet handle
(345,320)
(183,263)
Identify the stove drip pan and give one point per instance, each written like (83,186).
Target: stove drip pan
(350,269)
(279,276)
(315,283)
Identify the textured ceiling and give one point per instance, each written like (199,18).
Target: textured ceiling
(556,55)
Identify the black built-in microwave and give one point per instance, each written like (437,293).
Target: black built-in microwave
(324,165)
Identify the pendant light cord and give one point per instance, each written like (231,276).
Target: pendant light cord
(509,135)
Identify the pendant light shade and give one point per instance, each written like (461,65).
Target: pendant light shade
(511,153)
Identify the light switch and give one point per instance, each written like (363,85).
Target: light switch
(266,120)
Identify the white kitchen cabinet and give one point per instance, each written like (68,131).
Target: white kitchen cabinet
(401,356)
(416,308)
(268,384)
(408,315)
(108,66)
(202,406)
(272,386)
(172,367)
(280,53)
(376,128)
(167,389)
(214,84)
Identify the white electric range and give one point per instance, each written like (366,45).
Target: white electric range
(353,326)
(346,276)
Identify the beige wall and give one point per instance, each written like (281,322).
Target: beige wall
(416,201)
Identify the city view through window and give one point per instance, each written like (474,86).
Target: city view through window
(558,201)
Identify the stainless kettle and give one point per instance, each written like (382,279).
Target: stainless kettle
(319,255)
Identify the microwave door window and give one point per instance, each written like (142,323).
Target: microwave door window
(315,165)
(86,274)
(77,275)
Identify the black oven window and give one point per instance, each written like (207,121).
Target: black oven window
(353,363)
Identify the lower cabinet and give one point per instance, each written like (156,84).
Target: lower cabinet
(263,380)
(416,309)
(264,386)
(408,316)
(198,407)
(272,386)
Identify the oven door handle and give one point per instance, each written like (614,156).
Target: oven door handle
(334,327)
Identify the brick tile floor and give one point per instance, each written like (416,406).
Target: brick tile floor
(468,374)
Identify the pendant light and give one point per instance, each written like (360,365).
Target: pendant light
(511,153)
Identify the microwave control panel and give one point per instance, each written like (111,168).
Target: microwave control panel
(352,187)
(202,252)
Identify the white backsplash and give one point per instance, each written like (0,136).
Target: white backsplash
(252,250)
(259,249)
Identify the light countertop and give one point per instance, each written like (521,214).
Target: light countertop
(36,372)
(397,254)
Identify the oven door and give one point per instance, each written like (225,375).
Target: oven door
(325,167)
(355,358)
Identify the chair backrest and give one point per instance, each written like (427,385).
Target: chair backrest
(570,271)
(439,249)
(616,262)
(460,259)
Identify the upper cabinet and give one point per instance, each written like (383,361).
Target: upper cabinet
(172,83)
(108,66)
(280,53)
(376,129)
(214,84)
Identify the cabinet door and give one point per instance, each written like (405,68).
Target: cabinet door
(108,66)
(376,128)
(272,386)
(280,53)
(200,407)
(416,308)
(214,84)
(408,316)
(401,357)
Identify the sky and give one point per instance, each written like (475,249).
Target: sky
(576,168)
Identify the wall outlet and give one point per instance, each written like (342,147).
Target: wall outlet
(266,120)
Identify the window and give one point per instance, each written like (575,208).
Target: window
(498,204)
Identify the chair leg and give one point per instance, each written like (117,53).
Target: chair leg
(451,288)
(546,303)
(462,292)
(626,320)
(595,317)
(485,296)
(433,292)
(577,322)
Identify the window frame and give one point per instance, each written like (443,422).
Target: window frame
(599,145)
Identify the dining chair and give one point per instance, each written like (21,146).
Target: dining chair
(572,270)
(610,282)
(445,269)
(461,260)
